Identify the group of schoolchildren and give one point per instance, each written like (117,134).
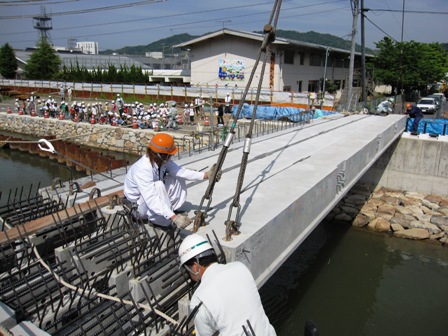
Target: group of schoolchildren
(116,112)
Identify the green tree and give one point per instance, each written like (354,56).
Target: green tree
(421,63)
(44,63)
(8,62)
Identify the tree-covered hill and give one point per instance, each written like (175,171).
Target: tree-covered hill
(159,45)
(166,43)
(319,38)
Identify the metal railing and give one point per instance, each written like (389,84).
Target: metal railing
(211,139)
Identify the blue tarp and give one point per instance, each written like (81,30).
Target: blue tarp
(278,112)
(434,126)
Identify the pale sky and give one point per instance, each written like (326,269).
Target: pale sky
(118,23)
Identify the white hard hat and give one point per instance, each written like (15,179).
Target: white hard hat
(191,105)
(193,246)
(186,105)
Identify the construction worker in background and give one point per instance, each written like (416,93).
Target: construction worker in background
(197,105)
(224,306)
(172,122)
(62,92)
(157,185)
(220,113)
(119,104)
(386,106)
(417,114)
(227,101)
(69,92)
(17,105)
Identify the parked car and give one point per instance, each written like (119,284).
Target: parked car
(441,95)
(438,100)
(427,105)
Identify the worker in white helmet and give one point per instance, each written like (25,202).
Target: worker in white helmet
(385,107)
(227,295)
(228,101)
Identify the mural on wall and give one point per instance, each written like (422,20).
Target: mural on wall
(231,70)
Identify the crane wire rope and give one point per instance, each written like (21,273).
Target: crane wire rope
(269,37)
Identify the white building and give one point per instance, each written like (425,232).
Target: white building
(228,56)
(88,47)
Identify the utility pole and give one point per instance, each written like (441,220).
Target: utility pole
(401,57)
(322,101)
(355,11)
(363,56)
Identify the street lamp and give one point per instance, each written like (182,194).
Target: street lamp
(327,51)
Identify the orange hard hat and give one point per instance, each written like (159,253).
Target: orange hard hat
(408,106)
(163,143)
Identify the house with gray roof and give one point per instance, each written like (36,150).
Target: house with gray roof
(225,58)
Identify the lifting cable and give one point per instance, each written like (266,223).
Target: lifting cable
(233,225)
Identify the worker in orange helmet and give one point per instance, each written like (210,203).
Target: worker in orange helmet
(157,185)
(416,113)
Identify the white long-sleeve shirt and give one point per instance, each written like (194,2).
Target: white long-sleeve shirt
(229,298)
(142,175)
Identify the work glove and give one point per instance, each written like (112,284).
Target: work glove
(211,171)
(182,221)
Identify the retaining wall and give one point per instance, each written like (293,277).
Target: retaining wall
(412,164)
(114,138)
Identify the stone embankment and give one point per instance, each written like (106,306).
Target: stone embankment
(408,215)
(113,138)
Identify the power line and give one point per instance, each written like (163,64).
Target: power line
(193,22)
(379,28)
(401,11)
(149,19)
(27,2)
(84,11)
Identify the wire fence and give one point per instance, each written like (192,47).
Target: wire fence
(164,93)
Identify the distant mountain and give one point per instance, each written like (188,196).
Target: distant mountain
(319,38)
(311,37)
(155,46)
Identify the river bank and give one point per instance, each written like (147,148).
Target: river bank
(409,215)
